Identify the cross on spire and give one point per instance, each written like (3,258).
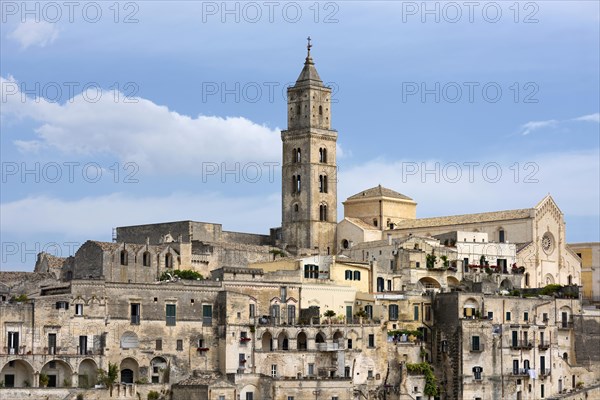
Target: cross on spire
(308,46)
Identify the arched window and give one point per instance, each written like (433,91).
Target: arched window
(146,259)
(570,280)
(380,284)
(295,208)
(294,155)
(323,155)
(323,212)
(298,184)
(294,183)
(298,155)
(320,110)
(323,183)
(348,275)
(527,279)
(124,257)
(357,275)
(298,109)
(168,260)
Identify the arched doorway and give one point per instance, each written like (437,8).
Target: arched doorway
(59,373)
(129,370)
(301,341)
(87,373)
(267,341)
(158,366)
(282,341)
(17,373)
(320,338)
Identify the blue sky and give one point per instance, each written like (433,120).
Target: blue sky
(465,107)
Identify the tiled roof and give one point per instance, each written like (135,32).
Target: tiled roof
(379,191)
(464,219)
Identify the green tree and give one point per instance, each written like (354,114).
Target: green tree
(108,378)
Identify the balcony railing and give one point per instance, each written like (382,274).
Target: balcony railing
(521,345)
(329,346)
(565,325)
(520,372)
(544,372)
(544,345)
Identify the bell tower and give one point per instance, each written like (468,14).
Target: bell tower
(309,171)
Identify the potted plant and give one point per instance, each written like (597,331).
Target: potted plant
(329,314)
(44,380)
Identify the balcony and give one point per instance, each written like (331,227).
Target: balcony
(565,325)
(244,340)
(330,346)
(476,348)
(544,372)
(544,345)
(521,372)
(521,345)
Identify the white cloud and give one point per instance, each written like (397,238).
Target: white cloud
(444,187)
(32,33)
(138,130)
(589,118)
(531,126)
(46,214)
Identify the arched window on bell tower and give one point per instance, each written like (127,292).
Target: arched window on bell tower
(298,184)
(323,212)
(323,183)
(294,183)
(294,155)
(298,155)
(322,155)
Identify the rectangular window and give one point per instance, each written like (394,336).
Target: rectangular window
(515,338)
(370,374)
(427,313)
(207,314)
(135,313)
(418,264)
(465,264)
(274,370)
(242,360)
(275,313)
(283,294)
(221,397)
(311,369)
(83,345)
(393,312)
(349,344)
(475,343)
(250,396)
(477,373)
(346,372)
(389,285)
(79,309)
(290,398)
(170,314)
(526,316)
(62,305)
(416,313)
(490,315)
(252,310)
(158,344)
(52,343)
(542,391)
(371,340)
(508,315)
(291,311)
(13,342)
(179,345)
(545,317)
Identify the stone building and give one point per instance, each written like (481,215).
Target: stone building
(589,253)
(381,305)
(495,347)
